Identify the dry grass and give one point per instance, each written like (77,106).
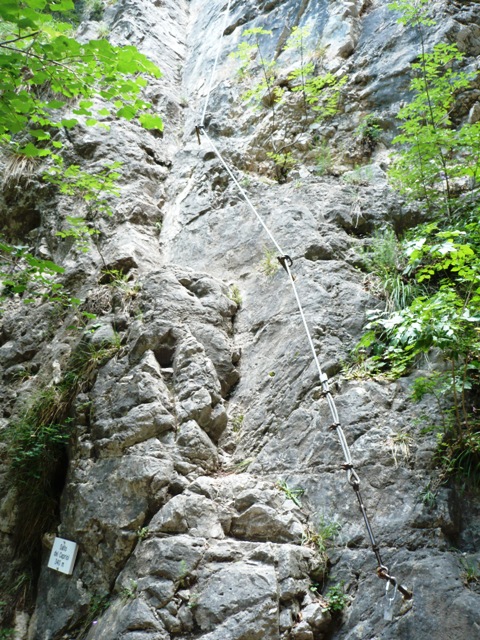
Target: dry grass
(19,169)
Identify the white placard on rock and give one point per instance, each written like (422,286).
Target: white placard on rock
(63,555)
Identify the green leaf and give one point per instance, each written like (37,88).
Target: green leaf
(39,134)
(69,123)
(150,121)
(61,5)
(36,4)
(55,104)
(127,111)
(30,150)
(47,265)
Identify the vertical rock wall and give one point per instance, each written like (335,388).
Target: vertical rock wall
(182,440)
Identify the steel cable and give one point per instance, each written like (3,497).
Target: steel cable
(352,476)
(242,191)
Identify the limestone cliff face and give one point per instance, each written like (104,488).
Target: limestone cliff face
(180,442)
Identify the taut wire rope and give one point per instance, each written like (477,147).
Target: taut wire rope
(242,191)
(286,262)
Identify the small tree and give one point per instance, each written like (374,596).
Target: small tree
(434,154)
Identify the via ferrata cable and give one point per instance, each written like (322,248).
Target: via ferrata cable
(286,262)
(348,466)
(242,191)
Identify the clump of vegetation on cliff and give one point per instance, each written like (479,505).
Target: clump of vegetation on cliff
(50,83)
(319,91)
(437,166)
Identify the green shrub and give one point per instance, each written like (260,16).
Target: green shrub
(368,133)
(323,159)
(283,163)
(235,294)
(437,299)
(269,265)
(385,257)
(336,598)
(320,93)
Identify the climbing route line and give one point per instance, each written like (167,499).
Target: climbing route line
(352,476)
(286,262)
(242,191)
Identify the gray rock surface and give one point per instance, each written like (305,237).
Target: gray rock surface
(182,438)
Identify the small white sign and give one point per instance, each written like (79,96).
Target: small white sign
(63,555)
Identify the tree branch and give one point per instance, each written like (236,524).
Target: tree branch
(30,35)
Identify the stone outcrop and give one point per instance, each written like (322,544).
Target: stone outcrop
(184,437)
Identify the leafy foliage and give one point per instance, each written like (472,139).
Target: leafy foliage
(50,82)
(413,12)
(296,43)
(44,69)
(321,537)
(247,52)
(284,161)
(438,166)
(368,133)
(94,189)
(445,262)
(24,267)
(437,159)
(336,598)
(320,93)
(446,316)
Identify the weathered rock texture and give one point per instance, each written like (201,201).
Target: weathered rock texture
(171,489)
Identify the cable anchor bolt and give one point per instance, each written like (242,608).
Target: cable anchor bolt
(334,426)
(382,573)
(198,130)
(353,479)
(283,261)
